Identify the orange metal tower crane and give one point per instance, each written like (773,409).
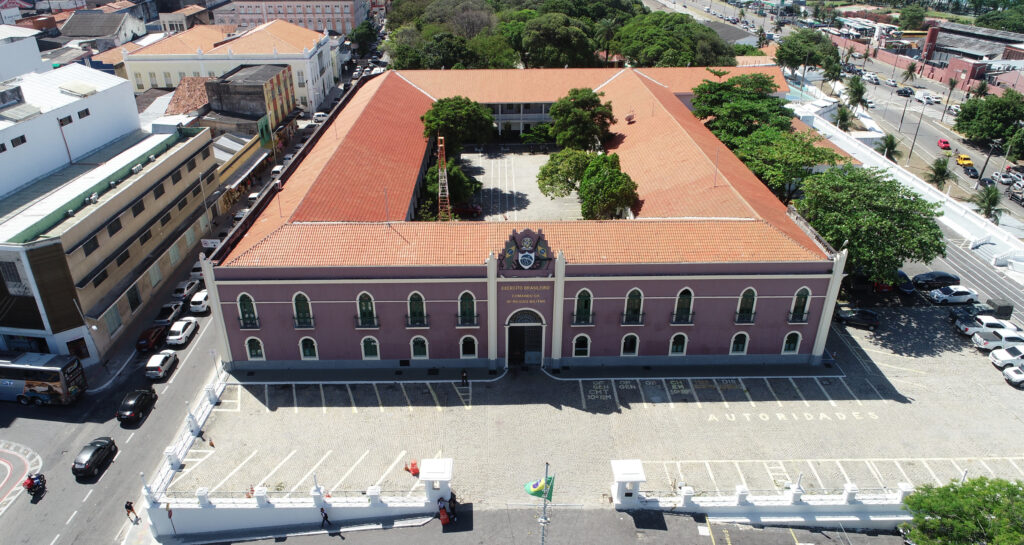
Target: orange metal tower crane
(444,206)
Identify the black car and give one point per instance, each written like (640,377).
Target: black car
(135,405)
(985,182)
(905,92)
(857,317)
(98,453)
(935,280)
(971,172)
(999,308)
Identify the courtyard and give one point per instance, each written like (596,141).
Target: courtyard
(510,191)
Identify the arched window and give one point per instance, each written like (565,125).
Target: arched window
(745,309)
(678,345)
(798,314)
(684,306)
(367,316)
(633,314)
(419,348)
(467,347)
(467,310)
(739,344)
(247,312)
(581,346)
(630,345)
(254,349)
(307,349)
(371,350)
(417,316)
(792,343)
(303,312)
(583,312)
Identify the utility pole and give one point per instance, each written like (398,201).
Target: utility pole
(920,120)
(905,113)
(991,148)
(543,520)
(1006,156)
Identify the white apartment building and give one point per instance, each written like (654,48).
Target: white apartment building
(213,50)
(19,51)
(340,16)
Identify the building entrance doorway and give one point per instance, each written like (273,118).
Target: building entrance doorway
(524,339)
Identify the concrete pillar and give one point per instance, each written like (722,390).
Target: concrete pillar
(742,493)
(906,489)
(373,494)
(260,493)
(838,264)
(436,476)
(203,495)
(794,493)
(190,420)
(686,495)
(172,458)
(558,313)
(492,311)
(850,493)
(211,395)
(628,475)
(147,492)
(318,493)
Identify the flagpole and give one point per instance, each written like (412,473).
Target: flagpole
(544,510)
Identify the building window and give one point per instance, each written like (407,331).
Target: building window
(303,313)
(3,147)
(138,81)
(152,79)
(798,314)
(467,347)
(678,345)
(684,305)
(739,344)
(113,320)
(467,316)
(90,246)
(182,203)
(247,312)
(191,164)
(82,114)
(175,176)
(114,226)
(134,300)
(630,344)
(99,279)
(122,258)
(367,316)
(371,350)
(144,238)
(167,79)
(206,151)
(166,219)
(190,237)
(181,76)
(307,349)
(419,348)
(195,192)
(583,312)
(301,77)
(581,346)
(154,275)
(745,309)
(64,121)
(137,208)
(195,73)
(417,316)
(792,343)
(254,348)
(174,254)
(9,272)
(17,141)
(633,314)
(158,191)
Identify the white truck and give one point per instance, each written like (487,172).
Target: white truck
(998,339)
(925,97)
(984,324)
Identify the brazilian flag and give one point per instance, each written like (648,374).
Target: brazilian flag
(540,488)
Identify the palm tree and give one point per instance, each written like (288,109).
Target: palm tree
(832,73)
(981,89)
(987,200)
(843,119)
(847,55)
(604,32)
(887,147)
(856,93)
(939,173)
(762,38)
(910,73)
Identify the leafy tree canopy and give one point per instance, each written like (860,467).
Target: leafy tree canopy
(671,39)
(460,185)
(605,190)
(783,159)
(978,511)
(1010,19)
(562,174)
(884,223)
(805,46)
(594,10)
(740,106)
(459,120)
(579,120)
(741,50)
(554,40)
(363,36)
(492,50)
(912,17)
(405,11)
(465,18)
(992,117)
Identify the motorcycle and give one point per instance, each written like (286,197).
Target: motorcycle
(35,484)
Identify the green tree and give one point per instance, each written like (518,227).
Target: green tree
(553,40)
(981,89)
(832,73)
(403,12)
(735,108)
(805,46)
(844,119)
(465,18)
(910,74)
(580,120)
(1010,19)
(762,37)
(562,174)
(987,200)
(363,36)
(979,510)
(887,146)
(492,50)
(856,93)
(1015,146)
(951,83)
(605,190)
(741,50)
(459,120)
(537,134)
(939,173)
(991,118)
(671,39)
(604,32)
(446,50)
(883,223)
(511,25)
(461,186)
(783,159)
(912,17)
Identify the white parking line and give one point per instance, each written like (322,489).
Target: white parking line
(745,391)
(822,387)
(711,474)
(959,470)
(772,390)
(55,538)
(379,402)
(266,397)
(929,468)
(874,471)
(740,472)
(129,439)
(310,472)
(720,394)
(798,392)
(1015,466)
(877,393)
(390,467)
(263,481)
(668,396)
(233,471)
(583,398)
(694,392)
(679,471)
(989,469)
(843,471)
(404,393)
(904,473)
(853,395)
(434,395)
(643,398)
(323,399)
(118,455)
(351,398)
(815,472)
(349,472)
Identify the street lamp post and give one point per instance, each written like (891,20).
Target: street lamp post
(920,121)
(905,113)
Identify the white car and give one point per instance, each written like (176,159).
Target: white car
(185,289)
(953,294)
(998,339)
(197,271)
(871,103)
(200,302)
(1014,375)
(984,324)
(182,331)
(160,364)
(891,83)
(1005,357)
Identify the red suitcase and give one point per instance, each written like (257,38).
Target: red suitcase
(444,517)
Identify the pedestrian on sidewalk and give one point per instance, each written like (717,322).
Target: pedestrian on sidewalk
(323,518)
(129,509)
(452,504)
(465,378)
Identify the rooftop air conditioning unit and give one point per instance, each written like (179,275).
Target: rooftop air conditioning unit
(136,169)
(113,183)
(152,158)
(70,212)
(94,198)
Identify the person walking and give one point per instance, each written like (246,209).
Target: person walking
(129,509)
(452,504)
(465,378)
(323,518)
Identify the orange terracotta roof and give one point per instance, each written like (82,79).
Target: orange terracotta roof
(770,49)
(277,35)
(754,60)
(584,242)
(189,96)
(62,16)
(116,55)
(800,126)
(189,10)
(198,38)
(494,86)
(682,81)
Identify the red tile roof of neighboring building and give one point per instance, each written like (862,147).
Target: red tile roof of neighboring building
(277,35)
(189,96)
(198,38)
(115,55)
(189,10)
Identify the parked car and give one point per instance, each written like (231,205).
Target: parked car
(1005,357)
(857,317)
(200,302)
(971,172)
(903,284)
(905,92)
(185,289)
(935,279)
(985,182)
(276,171)
(943,143)
(1014,375)
(998,339)
(870,103)
(288,157)
(240,215)
(197,271)
(319,117)
(95,456)
(151,338)
(168,313)
(954,109)
(891,82)
(964,160)
(160,364)
(135,405)
(986,324)
(998,308)
(949,295)
(182,331)
(1002,178)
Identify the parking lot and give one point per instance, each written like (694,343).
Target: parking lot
(916,404)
